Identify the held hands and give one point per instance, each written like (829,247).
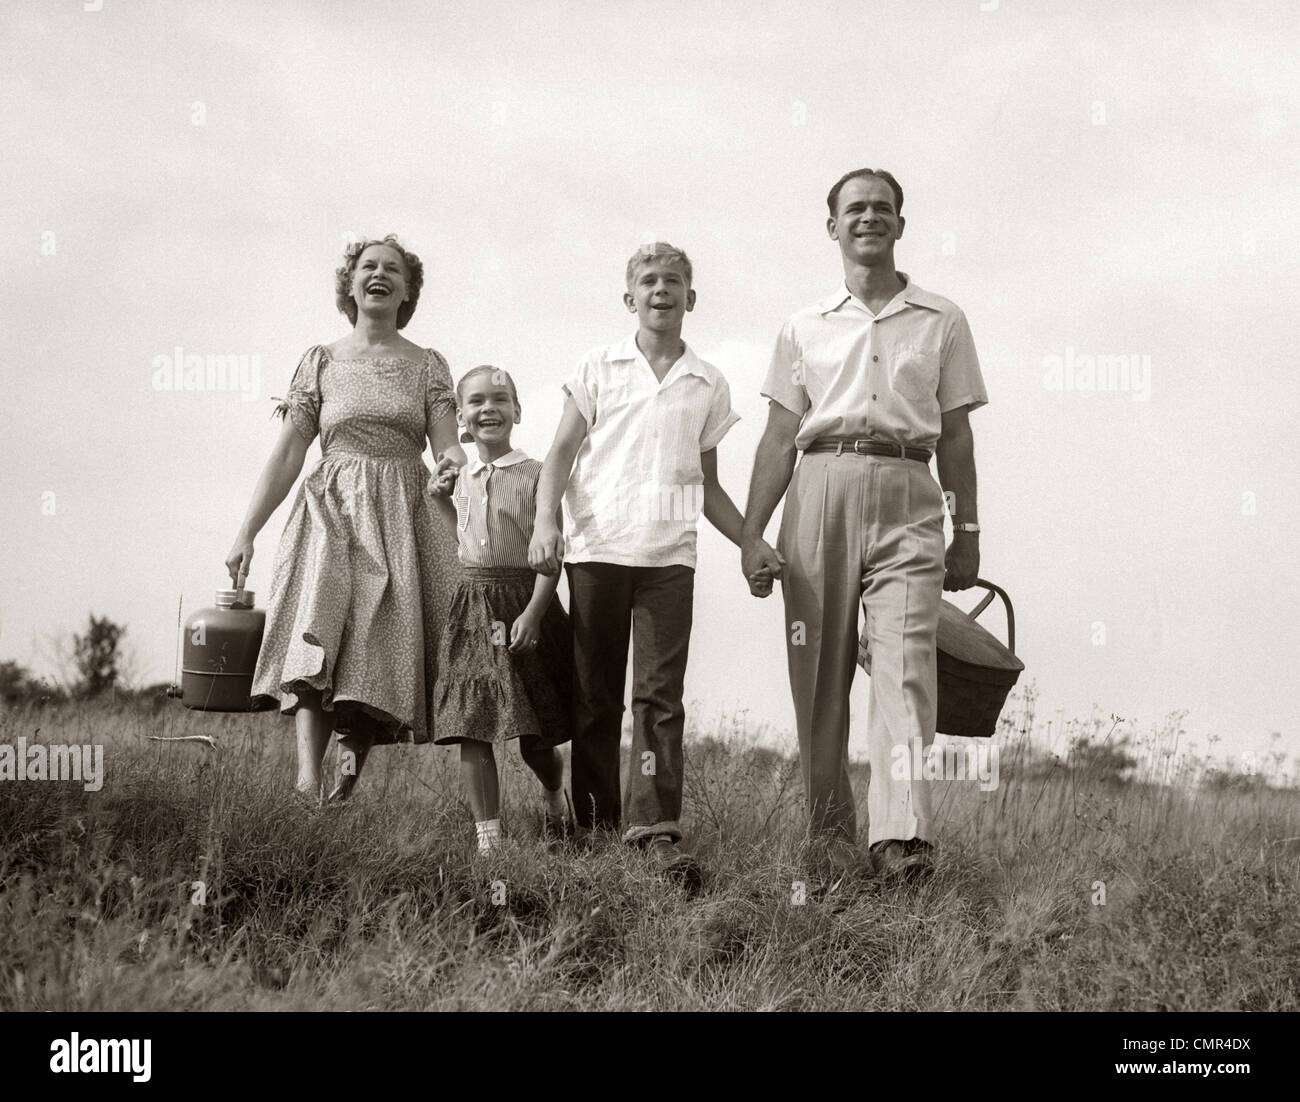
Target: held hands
(962,561)
(760,564)
(546,551)
(443,479)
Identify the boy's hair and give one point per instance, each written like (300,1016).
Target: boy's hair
(879,173)
(658,250)
(343,278)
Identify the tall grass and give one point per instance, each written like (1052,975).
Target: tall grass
(382,903)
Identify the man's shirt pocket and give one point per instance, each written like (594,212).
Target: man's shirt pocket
(914,373)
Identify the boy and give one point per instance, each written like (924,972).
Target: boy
(642,419)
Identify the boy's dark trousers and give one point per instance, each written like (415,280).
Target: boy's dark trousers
(652,604)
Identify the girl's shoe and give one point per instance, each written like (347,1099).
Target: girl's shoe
(490,836)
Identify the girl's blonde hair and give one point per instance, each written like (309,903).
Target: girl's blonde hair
(499,378)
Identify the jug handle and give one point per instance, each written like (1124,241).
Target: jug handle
(987,600)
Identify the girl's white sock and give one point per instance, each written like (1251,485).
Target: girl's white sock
(489,834)
(556,808)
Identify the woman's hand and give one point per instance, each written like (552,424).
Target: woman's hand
(443,479)
(240,560)
(525,632)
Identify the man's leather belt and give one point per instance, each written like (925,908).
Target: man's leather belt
(850,446)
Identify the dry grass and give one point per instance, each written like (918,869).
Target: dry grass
(381,904)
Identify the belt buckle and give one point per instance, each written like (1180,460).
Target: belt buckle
(855,447)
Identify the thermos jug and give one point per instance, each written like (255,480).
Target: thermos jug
(220,653)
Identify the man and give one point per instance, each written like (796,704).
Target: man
(867,384)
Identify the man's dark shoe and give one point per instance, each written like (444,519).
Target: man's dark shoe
(910,860)
(669,861)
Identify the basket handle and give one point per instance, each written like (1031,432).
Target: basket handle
(988,600)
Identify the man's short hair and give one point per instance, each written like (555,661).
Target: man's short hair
(658,250)
(879,173)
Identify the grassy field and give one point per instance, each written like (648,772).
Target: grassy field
(381,904)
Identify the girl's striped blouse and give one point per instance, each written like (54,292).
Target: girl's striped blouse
(495,505)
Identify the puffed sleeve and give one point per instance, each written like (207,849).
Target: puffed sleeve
(439,397)
(302,406)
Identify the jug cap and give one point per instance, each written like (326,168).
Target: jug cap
(235,598)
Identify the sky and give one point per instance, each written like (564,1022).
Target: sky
(1085,180)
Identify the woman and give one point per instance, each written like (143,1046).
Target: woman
(364,572)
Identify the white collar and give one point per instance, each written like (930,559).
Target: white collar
(689,362)
(475,465)
(910,294)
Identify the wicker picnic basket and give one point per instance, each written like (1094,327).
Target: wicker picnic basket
(976,671)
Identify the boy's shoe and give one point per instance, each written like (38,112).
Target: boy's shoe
(908,860)
(836,863)
(674,864)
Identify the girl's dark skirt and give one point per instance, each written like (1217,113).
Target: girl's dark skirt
(484,692)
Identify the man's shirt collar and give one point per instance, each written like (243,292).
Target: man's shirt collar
(475,465)
(911,294)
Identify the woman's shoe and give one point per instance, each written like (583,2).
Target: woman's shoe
(344,782)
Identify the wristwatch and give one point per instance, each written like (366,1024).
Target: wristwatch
(969,526)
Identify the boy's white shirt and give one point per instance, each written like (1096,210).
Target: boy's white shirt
(636,492)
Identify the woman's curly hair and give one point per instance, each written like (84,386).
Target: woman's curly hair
(343,279)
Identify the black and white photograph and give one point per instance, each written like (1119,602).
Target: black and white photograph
(535,507)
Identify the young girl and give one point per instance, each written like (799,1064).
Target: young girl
(505,662)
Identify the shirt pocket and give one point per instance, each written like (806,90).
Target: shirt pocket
(915,373)
(462,510)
